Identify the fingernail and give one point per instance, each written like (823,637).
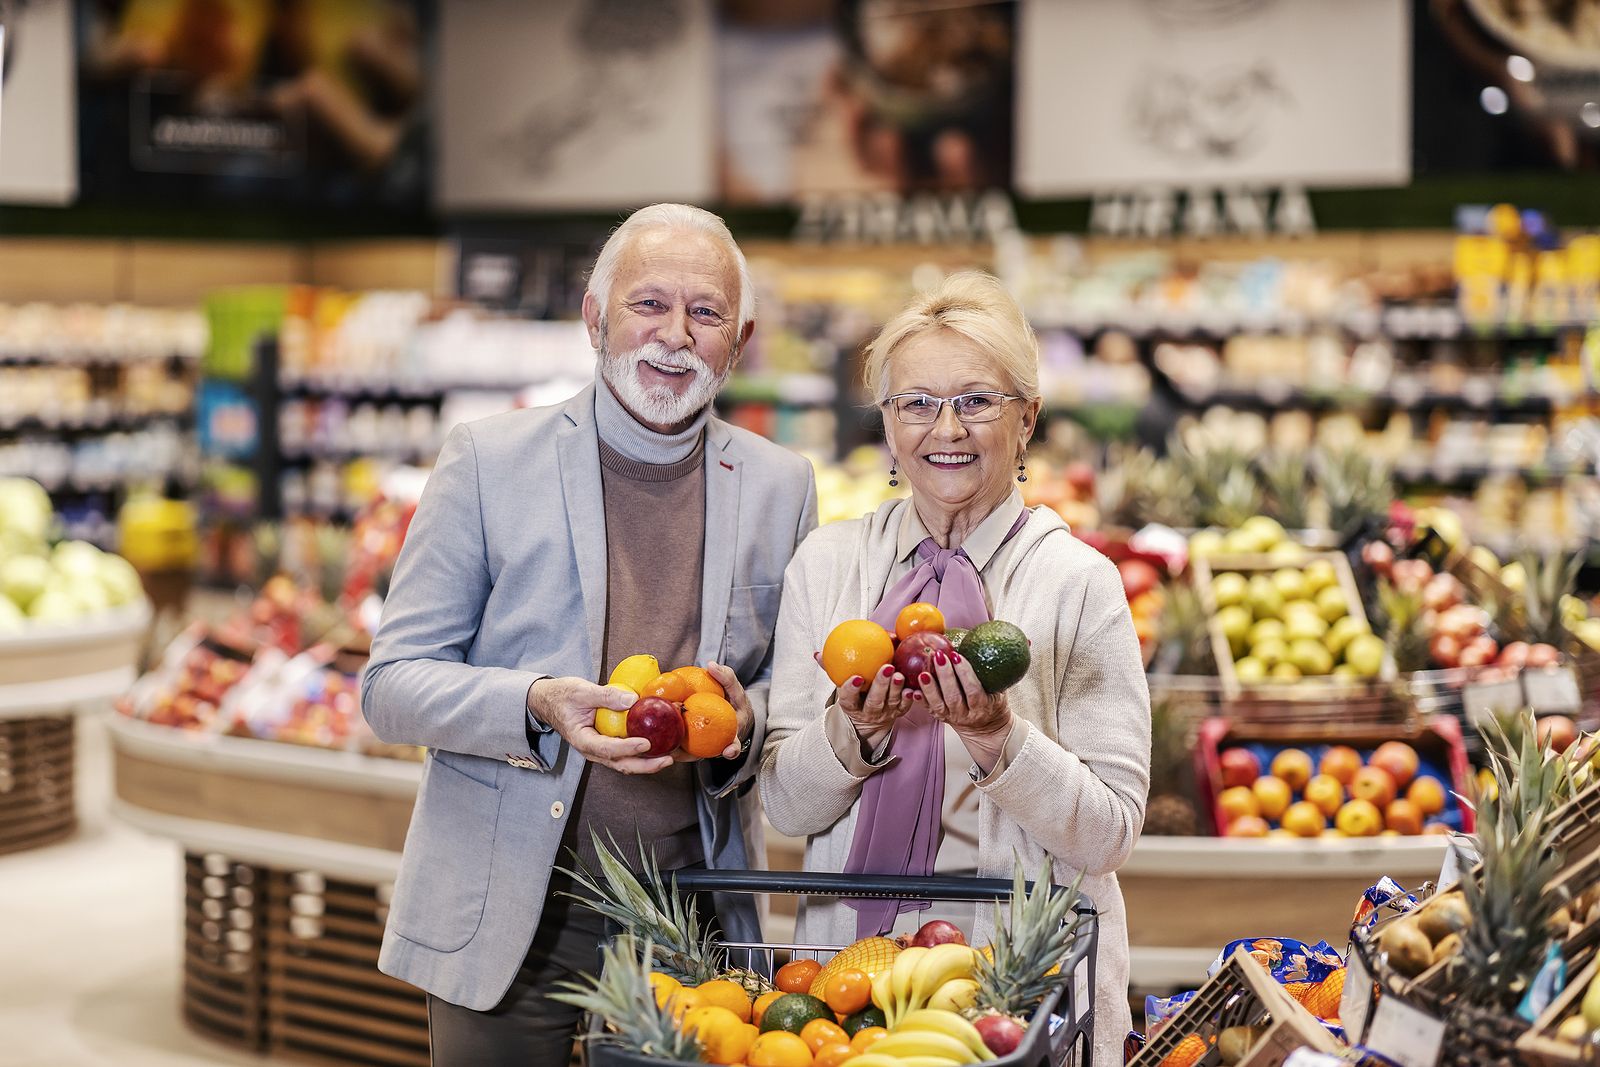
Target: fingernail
(955,657)
(915,695)
(858,681)
(899,679)
(887,671)
(926,678)
(940,658)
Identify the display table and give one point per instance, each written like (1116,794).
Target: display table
(47,675)
(290,855)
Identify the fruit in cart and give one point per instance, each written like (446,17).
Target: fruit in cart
(1574,1030)
(848,991)
(915,656)
(948,1025)
(938,932)
(620,993)
(958,995)
(1325,1000)
(799,976)
(1427,793)
(856,647)
(869,1016)
(820,1032)
(1305,819)
(1238,802)
(724,1038)
(725,993)
(779,1049)
(1359,818)
(762,1002)
(1444,915)
(792,1011)
(863,1039)
(1374,785)
(1001,1034)
(875,955)
(1273,796)
(1033,935)
(1292,765)
(635,672)
(1340,762)
(658,721)
(664,986)
(1591,1004)
(710,725)
(1190,1051)
(1248,826)
(1235,1043)
(1239,767)
(998,653)
(1403,817)
(916,618)
(926,1046)
(1408,949)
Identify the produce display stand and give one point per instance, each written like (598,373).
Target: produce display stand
(48,674)
(290,854)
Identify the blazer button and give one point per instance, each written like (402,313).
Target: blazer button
(557,810)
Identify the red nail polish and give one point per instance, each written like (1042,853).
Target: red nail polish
(926,678)
(899,679)
(887,671)
(940,658)
(858,681)
(955,657)
(915,695)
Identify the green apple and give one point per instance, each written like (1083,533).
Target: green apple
(1342,630)
(1513,577)
(1267,532)
(87,593)
(1344,670)
(1286,672)
(1331,604)
(1287,552)
(1319,575)
(1203,545)
(1235,623)
(23,579)
(1266,630)
(1270,652)
(1290,583)
(1303,624)
(1310,657)
(1239,543)
(120,581)
(25,513)
(76,560)
(1364,654)
(1250,671)
(55,605)
(1264,599)
(1229,589)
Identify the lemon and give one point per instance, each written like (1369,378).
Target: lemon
(635,672)
(612,723)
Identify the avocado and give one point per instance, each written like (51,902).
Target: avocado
(998,652)
(955,635)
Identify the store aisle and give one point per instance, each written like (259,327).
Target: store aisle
(89,943)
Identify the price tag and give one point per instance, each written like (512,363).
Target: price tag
(1356,999)
(1483,701)
(1552,689)
(1409,1037)
(1080,989)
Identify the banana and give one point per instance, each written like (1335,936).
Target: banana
(941,964)
(905,965)
(958,994)
(932,1021)
(873,1059)
(883,990)
(903,1043)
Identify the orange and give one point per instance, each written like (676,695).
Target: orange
(726,994)
(866,1037)
(760,1007)
(1325,1000)
(1190,1051)
(796,976)
(664,985)
(682,1001)
(820,1032)
(848,991)
(856,647)
(915,618)
(779,1048)
(712,725)
(833,1056)
(702,681)
(669,686)
(723,1038)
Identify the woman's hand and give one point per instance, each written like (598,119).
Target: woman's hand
(955,696)
(874,708)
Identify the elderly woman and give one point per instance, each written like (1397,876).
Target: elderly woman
(1057,765)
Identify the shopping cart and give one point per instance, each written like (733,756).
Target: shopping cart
(1061,1031)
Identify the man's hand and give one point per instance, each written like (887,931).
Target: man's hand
(567,706)
(741,704)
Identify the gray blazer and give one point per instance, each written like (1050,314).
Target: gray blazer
(503,580)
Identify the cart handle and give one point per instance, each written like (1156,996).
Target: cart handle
(881,886)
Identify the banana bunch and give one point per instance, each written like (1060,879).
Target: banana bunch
(938,977)
(926,1037)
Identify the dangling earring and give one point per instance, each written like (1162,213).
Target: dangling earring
(893,481)
(1022,471)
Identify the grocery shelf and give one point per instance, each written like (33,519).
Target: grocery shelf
(395,391)
(267,847)
(92,426)
(1274,858)
(307,453)
(58,668)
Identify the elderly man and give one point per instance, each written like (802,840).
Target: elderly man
(550,544)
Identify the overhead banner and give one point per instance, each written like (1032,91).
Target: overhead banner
(572,104)
(1195,93)
(38,146)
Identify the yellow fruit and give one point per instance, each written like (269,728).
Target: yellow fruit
(726,994)
(611,723)
(866,1037)
(820,1032)
(1190,1051)
(797,976)
(664,985)
(683,1001)
(1324,1001)
(871,954)
(723,1037)
(779,1048)
(635,672)
(760,1007)
(857,647)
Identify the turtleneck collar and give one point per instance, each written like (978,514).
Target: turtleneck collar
(635,441)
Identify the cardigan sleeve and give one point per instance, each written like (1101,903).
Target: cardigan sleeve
(1083,798)
(805,786)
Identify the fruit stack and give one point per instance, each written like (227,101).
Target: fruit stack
(44,586)
(860,648)
(1275,624)
(185,691)
(684,707)
(1329,791)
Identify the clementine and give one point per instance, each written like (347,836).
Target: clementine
(916,618)
(856,647)
(779,1048)
(848,991)
(702,681)
(711,723)
(866,1037)
(726,994)
(820,1032)
(796,976)
(664,985)
(833,1056)
(760,1007)
(669,686)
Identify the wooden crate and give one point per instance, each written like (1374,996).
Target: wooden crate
(326,998)
(36,781)
(1341,699)
(224,989)
(1241,993)
(1539,1045)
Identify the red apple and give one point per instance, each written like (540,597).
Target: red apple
(1399,759)
(1543,655)
(1239,767)
(1378,556)
(1137,577)
(1514,655)
(1001,1033)
(1445,651)
(938,932)
(1557,732)
(1463,622)
(1410,575)
(914,656)
(1442,591)
(1479,652)
(658,721)
(1080,476)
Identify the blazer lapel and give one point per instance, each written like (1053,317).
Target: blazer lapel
(723,471)
(579,453)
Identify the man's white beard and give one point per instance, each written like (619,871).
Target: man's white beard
(659,404)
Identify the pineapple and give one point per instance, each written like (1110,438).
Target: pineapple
(1021,964)
(1170,812)
(1549,579)
(1356,488)
(1186,639)
(1403,631)
(1223,486)
(1138,488)
(1283,476)
(622,997)
(873,955)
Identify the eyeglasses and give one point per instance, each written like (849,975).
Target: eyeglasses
(920,409)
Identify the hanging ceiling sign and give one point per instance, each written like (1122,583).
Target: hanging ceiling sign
(1242,210)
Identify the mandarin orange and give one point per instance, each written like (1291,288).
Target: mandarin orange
(917,618)
(856,647)
(702,680)
(711,725)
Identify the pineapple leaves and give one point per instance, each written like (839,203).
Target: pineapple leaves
(622,997)
(1032,937)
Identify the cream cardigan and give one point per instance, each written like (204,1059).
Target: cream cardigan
(1076,790)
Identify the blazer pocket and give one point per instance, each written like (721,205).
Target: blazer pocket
(444,871)
(752,618)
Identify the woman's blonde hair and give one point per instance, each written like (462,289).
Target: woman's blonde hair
(974,305)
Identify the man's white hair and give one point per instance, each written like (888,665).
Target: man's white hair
(669,217)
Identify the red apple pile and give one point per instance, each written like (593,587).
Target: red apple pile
(1342,795)
(1141,584)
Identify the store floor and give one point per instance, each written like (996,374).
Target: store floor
(90,942)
